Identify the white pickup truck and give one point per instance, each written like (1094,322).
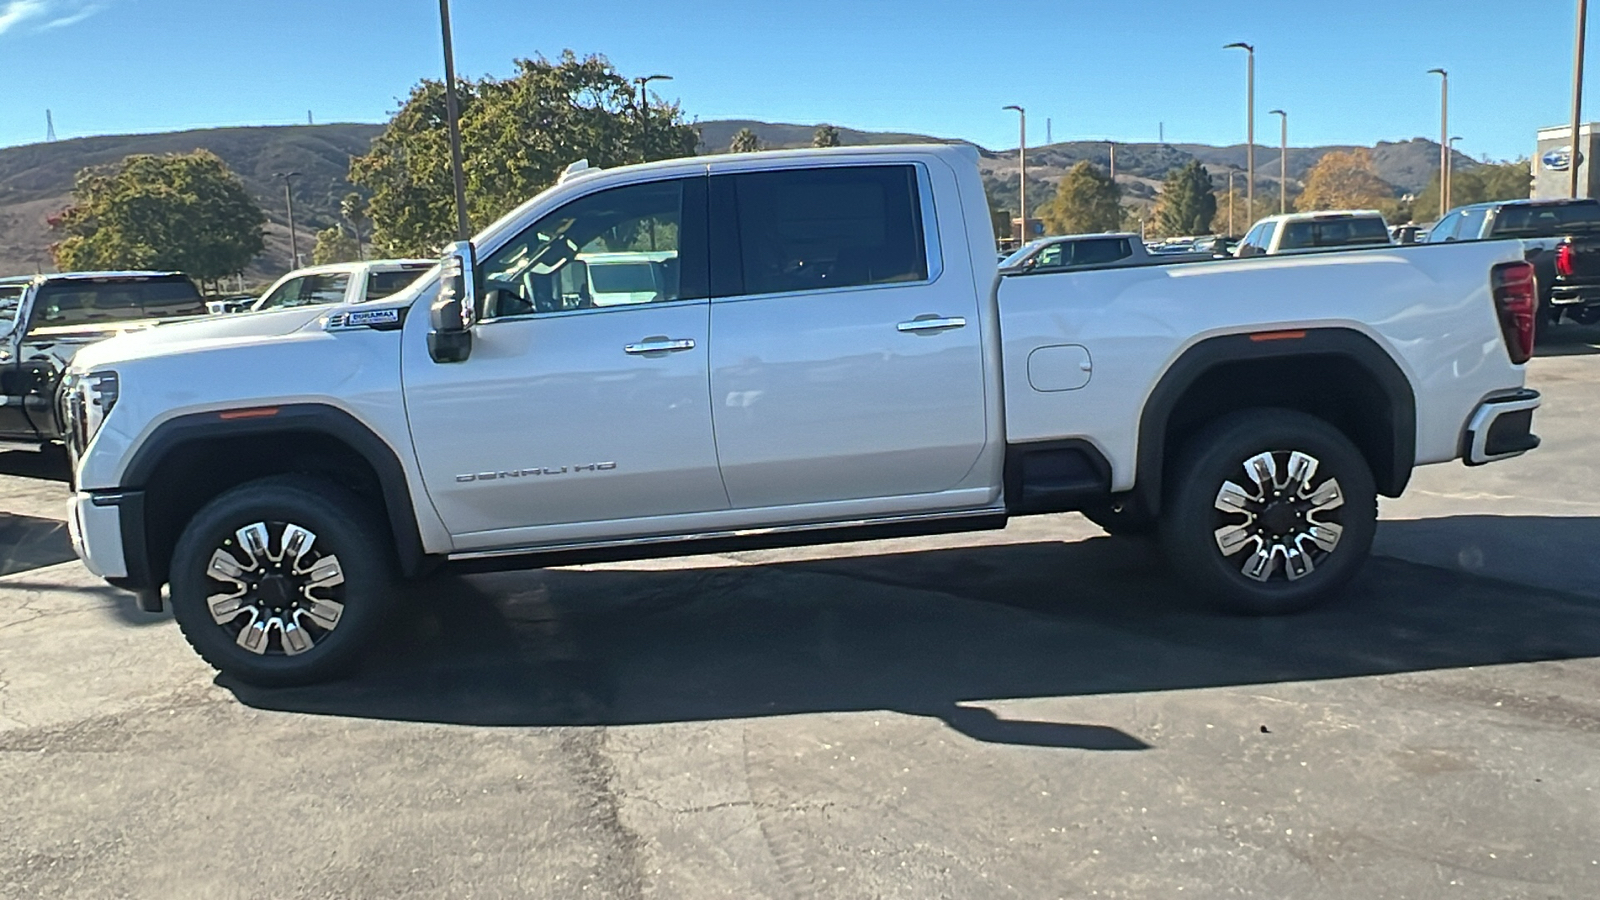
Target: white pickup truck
(826,353)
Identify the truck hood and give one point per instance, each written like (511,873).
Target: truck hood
(195,334)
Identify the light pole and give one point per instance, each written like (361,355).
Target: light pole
(1444,140)
(1577,96)
(288,201)
(1231,173)
(1113,162)
(1250,126)
(1022,156)
(453,113)
(641,104)
(1450,183)
(1283,163)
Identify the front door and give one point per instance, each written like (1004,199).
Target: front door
(569,411)
(14,380)
(846,362)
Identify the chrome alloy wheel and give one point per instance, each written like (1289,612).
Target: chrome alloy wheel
(283,594)
(1289,522)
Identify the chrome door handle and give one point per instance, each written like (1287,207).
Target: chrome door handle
(658,345)
(932,323)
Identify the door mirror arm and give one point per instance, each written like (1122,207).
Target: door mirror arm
(455,309)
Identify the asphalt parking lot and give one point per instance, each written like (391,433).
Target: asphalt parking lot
(1040,712)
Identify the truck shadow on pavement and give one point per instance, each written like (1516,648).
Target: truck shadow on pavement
(49,464)
(931,632)
(27,542)
(1568,340)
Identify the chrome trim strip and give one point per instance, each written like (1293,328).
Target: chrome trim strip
(723,535)
(1483,421)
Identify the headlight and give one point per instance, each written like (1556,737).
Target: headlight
(90,398)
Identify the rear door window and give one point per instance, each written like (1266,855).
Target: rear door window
(329,288)
(1100,251)
(10,301)
(1470,226)
(828,228)
(385,284)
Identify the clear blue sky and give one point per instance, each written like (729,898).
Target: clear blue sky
(1347,72)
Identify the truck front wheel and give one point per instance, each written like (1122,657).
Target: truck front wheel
(282,580)
(1272,511)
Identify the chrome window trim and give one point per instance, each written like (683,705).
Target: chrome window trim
(568,313)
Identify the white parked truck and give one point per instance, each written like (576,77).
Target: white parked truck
(832,357)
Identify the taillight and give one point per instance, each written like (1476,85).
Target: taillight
(1516,297)
(1564,259)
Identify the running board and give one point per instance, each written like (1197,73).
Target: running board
(579,553)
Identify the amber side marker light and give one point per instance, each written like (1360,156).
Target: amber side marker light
(1262,336)
(260,412)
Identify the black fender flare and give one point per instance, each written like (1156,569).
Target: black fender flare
(1346,344)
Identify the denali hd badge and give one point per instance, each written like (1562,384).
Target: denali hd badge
(535,473)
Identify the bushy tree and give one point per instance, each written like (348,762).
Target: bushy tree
(745,141)
(1478,184)
(517,136)
(333,246)
(184,212)
(1188,203)
(1086,201)
(354,209)
(1345,180)
(825,136)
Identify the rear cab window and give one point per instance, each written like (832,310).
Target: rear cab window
(1546,219)
(1345,231)
(824,229)
(87,302)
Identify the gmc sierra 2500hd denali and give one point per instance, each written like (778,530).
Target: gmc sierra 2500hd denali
(823,352)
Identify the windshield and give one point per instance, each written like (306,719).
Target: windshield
(1547,219)
(622,278)
(67,304)
(10,300)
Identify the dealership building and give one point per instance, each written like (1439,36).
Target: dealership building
(1553,161)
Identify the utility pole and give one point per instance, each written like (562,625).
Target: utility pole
(1577,97)
(1283,163)
(1444,140)
(1022,157)
(1231,173)
(1113,162)
(1250,125)
(1049,136)
(642,104)
(453,113)
(288,201)
(49,127)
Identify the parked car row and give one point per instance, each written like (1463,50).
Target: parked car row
(1560,238)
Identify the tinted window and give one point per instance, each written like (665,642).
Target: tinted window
(1052,256)
(1334,233)
(73,303)
(385,284)
(328,288)
(10,300)
(816,229)
(651,227)
(1547,219)
(1099,252)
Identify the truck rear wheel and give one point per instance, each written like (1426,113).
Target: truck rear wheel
(282,581)
(1271,511)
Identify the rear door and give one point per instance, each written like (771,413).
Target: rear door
(846,362)
(14,424)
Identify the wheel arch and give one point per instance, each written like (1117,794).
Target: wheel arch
(188,460)
(1338,374)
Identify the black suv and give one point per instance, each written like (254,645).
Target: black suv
(45,319)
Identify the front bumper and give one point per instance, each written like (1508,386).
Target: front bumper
(94,521)
(1501,428)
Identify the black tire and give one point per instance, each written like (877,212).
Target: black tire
(283,590)
(1121,519)
(1290,515)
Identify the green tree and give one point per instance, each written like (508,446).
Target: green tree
(185,212)
(1478,184)
(1345,180)
(333,246)
(1188,202)
(1086,201)
(518,134)
(745,141)
(354,209)
(825,136)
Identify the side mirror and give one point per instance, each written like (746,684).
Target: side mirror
(456,307)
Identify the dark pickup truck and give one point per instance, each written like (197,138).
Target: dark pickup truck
(46,319)
(1543,227)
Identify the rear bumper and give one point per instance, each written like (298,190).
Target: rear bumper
(1501,428)
(1571,295)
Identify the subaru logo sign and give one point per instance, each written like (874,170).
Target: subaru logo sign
(1557,160)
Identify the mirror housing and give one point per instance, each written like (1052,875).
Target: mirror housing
(455,309)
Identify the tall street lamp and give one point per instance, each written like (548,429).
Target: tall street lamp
(1577,96)
(1022,156)
(641,104)
(1450,182)
(288,201)
(452,109)
(1283,163)
(1444,139)
(1250,126)
(1231,173)
(1113,145)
